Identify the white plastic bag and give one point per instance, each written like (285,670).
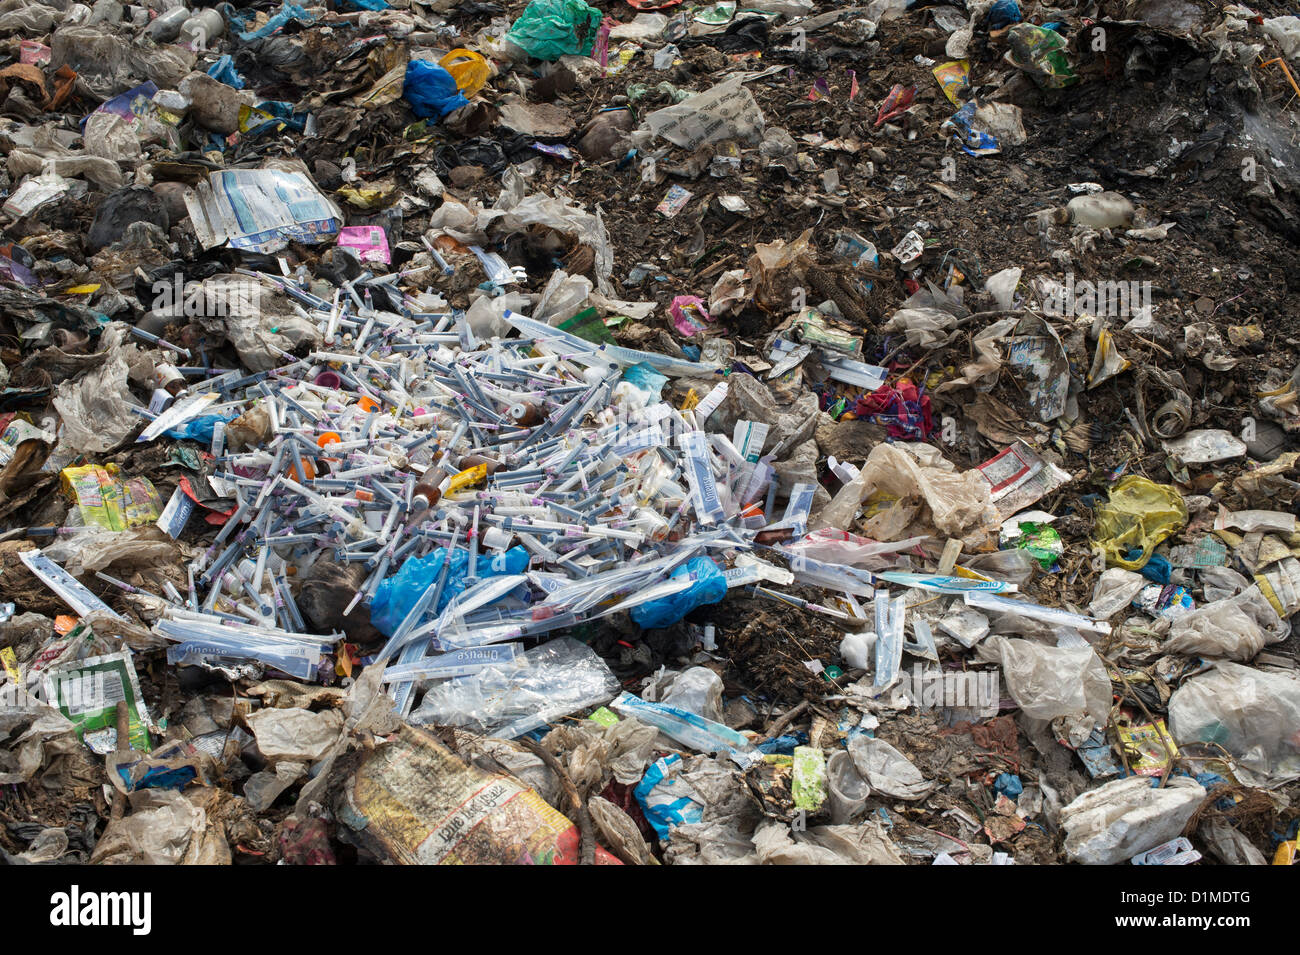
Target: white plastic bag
(1115,590)
(1253,714)
(958,502)
(1116,821)
(486,315)
(563,297)
(96,408)
(921,326)
(1047,682)
(1236,628)
(1002,286)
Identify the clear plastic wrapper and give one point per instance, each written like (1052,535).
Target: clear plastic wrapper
(1014,566)
(841,547)
(687,728)
(205,641)
(555,679)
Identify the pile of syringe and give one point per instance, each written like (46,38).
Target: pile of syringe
(571,492)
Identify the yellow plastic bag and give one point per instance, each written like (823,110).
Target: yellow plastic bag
(107,500)
(468,69)
(1149,747)
(1140,513)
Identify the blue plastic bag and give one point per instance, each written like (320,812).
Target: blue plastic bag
(1004,13)
(239,19)
(396,595)
(1157,568)
(644,375)
(431,90)
(1009,785)
(224,71)
(197,429)
(282,117)
(710,586)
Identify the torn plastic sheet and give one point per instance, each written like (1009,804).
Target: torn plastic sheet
(518,209)
(888,771)
(1236,628)
(1251,713)
(1049,682)
(958,501)
(96,408)
(1206,446)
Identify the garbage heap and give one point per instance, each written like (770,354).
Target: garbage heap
(779,433)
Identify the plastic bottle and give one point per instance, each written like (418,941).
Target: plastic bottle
(474,460)
(429,491)
(202,28)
